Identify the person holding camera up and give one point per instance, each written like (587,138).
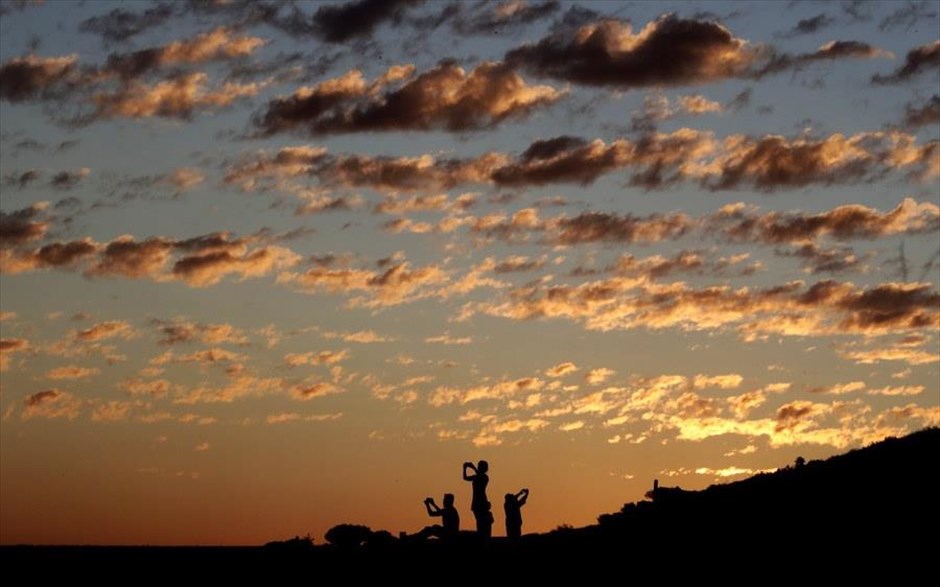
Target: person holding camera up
(449,517)
(513,508)
(479,505)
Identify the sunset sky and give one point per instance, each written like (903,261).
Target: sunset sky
(272,267)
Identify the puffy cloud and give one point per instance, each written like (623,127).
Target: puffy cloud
(561,369)
(208,268)
(657,108)
(66,180)
(851,221)
(185,178)
(808,26)
(926,114)
(338,23)
(216,45)
(237,387)
(827,307)
(361,171)
(918,60)
(728,381)
(251,171)
(9,346)
(313,390)
(797,414)
(772,162)
(128,257)
(145,387)
(599,375)
(656,160)
(105,331)
(817,259)
(491,433)
(658,266)
(178,97)
(669,51)
(28,77)
(590,227)
(398,283)
(315,358)
(112,411)
(53,255)
(204,357)
(839,388)
(180,331)
(72,372)
(926,415)
(361,336)
(204,260)
(568,159)
(444,97)
(21,180)
(21,226)
(420,203)
(898,390)
(505,389)
(518,263)
(317,202)
(51,403)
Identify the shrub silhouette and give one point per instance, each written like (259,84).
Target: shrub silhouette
(348,535)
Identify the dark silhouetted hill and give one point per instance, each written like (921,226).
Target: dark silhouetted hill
(871,514)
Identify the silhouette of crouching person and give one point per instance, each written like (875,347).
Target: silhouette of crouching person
(513,508)
(450,527)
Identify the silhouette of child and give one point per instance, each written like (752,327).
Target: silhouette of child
(479,505)
(448,515)
(513,508)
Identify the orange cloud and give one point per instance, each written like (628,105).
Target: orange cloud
(827,307)
(9,346)
(24,78)
(51,403)
(216,45)
(561,369)
(106,330)
(316,358)
(444,97)
(609,53)
(72,372)
(20,227)
(178,97)
(361,336)
(315,389)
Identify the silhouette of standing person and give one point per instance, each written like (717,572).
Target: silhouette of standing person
(479,505)
(448,515)
(513,508)
(485,522)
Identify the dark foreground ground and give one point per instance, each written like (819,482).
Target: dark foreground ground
(871,515)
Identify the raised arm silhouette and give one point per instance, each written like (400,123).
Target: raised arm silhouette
(513,508)
(449,516)
(479,505)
